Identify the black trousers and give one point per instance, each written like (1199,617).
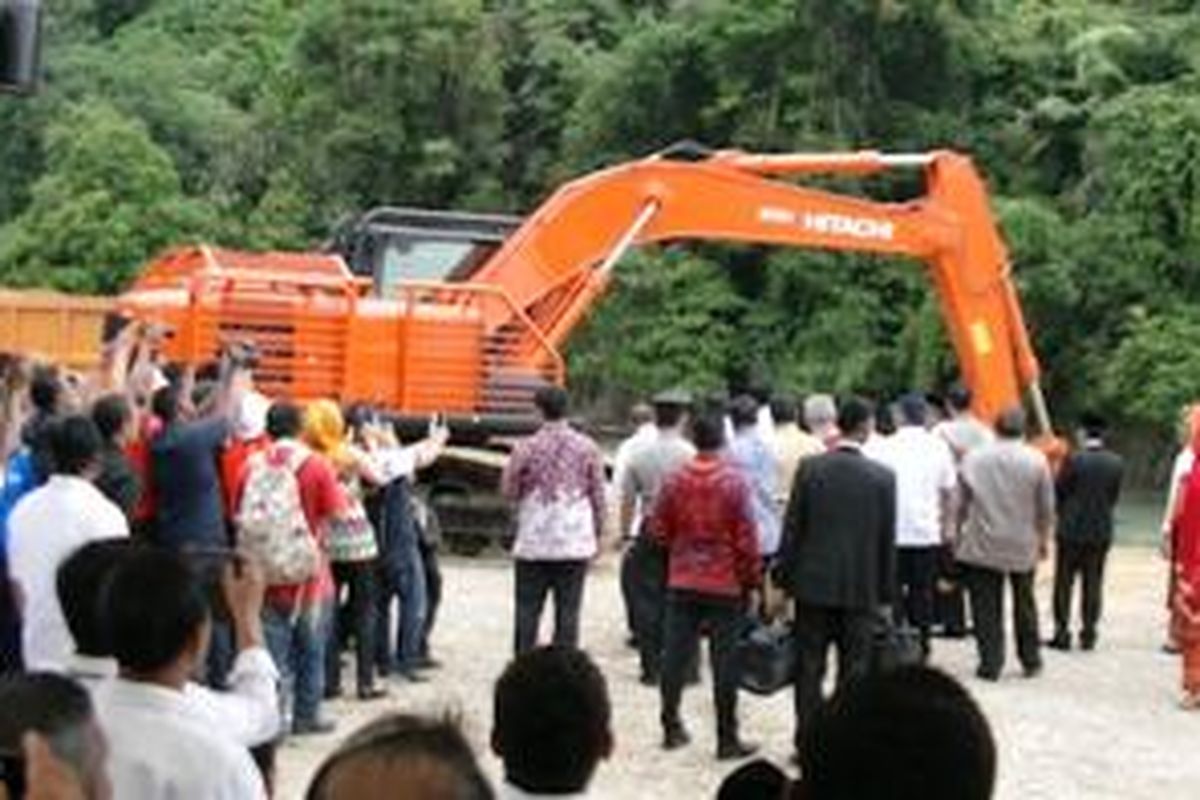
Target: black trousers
(916,573)
(433,591)
(688,614)
(1085,561)
(355,619)
(850,632)
(534,581)
(644,585)
(986,587)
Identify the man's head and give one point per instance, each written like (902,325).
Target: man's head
(784,409)
(552,720)
(60,711)
(641,414)
(164,404)
(708,432)
(910,734)
(74,445)
(754,781)
(1011,423)
(743,412)
(402,757)
(669,414)
(820,413)
(250,420)
(82,584)
(113,417)
(1092,425)
(158,616)
(551,402)
(913,410)
(45,389)
(958,398)
(285,420)
(856,418)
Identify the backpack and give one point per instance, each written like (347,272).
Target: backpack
(271,524)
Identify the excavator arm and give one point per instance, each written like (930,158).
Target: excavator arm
(559,262)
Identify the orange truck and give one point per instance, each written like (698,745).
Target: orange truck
(465,314)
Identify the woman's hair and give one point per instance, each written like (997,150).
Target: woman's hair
(325,431)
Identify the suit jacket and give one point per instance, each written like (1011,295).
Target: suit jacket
(1088,488)
(839,532)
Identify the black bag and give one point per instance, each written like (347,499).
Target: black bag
(766,657)
(895,646)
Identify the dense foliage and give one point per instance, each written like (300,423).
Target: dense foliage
(260,123)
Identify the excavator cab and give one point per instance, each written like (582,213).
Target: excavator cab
(390,245)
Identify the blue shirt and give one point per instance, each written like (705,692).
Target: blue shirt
(19,478)
(757,462)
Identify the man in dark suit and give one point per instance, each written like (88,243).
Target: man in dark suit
(837,558)
(1088,488)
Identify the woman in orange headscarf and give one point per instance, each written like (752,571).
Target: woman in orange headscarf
(1185,565)
(352,550)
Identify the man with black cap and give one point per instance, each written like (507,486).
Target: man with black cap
(1087,489)
(644,567)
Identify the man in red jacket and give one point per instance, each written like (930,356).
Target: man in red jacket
(704,520)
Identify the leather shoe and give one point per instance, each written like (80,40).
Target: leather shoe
(1087,642)
(1032,671)
(1061,641)
(675,737)
(313,727)
(411,676)
(730,751)
(987,675)
(372,693)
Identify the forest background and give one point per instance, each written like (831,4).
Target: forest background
(263,123)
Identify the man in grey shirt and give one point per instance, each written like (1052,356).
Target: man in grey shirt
(644,567)
(1009,507)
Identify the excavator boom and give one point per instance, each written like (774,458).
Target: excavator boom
(559,262)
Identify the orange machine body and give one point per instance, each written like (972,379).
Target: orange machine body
(476,342)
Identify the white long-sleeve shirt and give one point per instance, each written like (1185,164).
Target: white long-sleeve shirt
(163,745)
(247,712)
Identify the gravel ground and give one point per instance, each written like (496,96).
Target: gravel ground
(1095,725)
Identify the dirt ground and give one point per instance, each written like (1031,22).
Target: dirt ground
(1096,725)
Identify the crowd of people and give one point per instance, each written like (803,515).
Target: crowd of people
(189,563)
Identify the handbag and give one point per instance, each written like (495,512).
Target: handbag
(766,656)
(351,537)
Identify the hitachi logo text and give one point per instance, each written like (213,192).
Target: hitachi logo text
(831,224)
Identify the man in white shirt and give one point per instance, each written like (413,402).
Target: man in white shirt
(551,754)
(165,744)
(49,524)
(925,485)
(248,711)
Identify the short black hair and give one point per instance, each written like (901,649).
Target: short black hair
(1093,424)
(44,703)
(165,404)
(913,408)
(74,444)
(918,729)
(743,411)
(82,584)
(552,401)
(1011,423)
(111,413)
(958,397)
(552,720)
(155,604)
(753,781)
(667,415)
(708,432)
(45,388)
(785,408)
(397,738)
(854,413)
(285,420)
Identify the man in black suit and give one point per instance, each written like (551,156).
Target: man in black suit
(1088,488)
(837,558)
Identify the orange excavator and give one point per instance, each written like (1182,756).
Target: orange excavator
(464,314)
